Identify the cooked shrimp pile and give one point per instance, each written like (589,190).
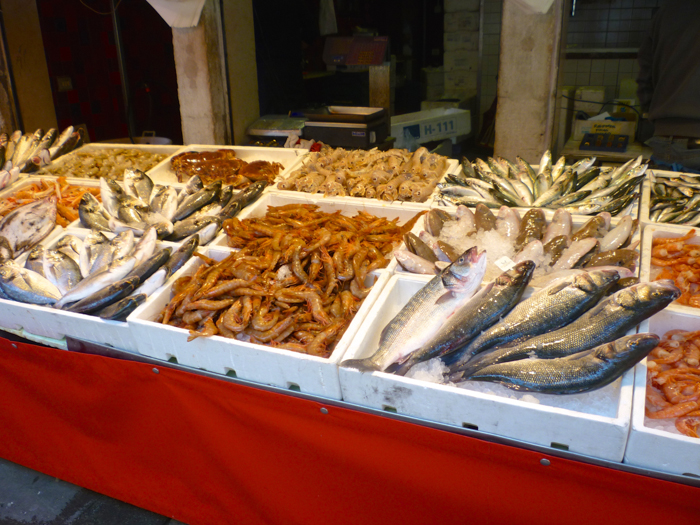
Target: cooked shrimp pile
(673,381)
(69,196)
(396,174)
(296,282)
(680,261)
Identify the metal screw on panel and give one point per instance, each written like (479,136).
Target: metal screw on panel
(14,345)
(545,462)
(156,371)
(324,410)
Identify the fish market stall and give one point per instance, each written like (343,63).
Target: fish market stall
(276,359)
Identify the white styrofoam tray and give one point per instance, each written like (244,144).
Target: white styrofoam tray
(164,174)
(577,221)
(647,273)
(258,363)
(45,321)
(649,444)
(595,424)
(452,167)
(329,205)
(645,206)
(91,147)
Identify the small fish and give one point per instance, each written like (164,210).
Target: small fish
(413,263)
(146,245)
(92,214)
(184,228)
(197,200)
(110,192)
(116,271)
(422,316)
(420,248)
(61,270)
(532,227)
(27,286)
(154,282)
(138,184)
(182,255)
(105,297)
(149,266)
(71,246)
(164,201)
(581,372)
(35,260)
(120,310)
(26,226)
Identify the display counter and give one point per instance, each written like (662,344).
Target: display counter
(206,449)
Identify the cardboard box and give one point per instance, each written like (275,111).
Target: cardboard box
(460,83)
(594,97)
(432,82)
(615,127)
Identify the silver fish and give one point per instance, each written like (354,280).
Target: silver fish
(35,260)
(27,286)
(164,201)
(71,246)
(581,372)
(61,270)
(544,311)
(197,200)
(28,225)
(110,192)
(92,214)
(422,316)
(116,271)
(468,321)
(608,320)
(93,244)
(414,263)
(138,184)
(146,245)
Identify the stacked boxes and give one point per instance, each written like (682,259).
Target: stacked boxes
(461,58)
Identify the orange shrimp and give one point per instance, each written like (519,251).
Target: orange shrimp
(688,425)
(673,411)
(668,240)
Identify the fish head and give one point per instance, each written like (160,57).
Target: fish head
(519,275)
(467,268)
(89,202)
(659,293)
(628,350)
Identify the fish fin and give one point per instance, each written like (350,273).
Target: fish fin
(444,297)
(558,287)
(363,365)
(401,366)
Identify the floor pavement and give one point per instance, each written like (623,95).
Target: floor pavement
(28,497)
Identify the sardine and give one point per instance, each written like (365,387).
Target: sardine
(608,320)
(184,228)
(468,321)
(154,282)
(544,311)
(182,255)
(164,201)
(422,316)
(581,372)
(151,265)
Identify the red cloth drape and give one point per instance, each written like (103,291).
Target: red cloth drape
(211,452)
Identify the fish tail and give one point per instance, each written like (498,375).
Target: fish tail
(363,365)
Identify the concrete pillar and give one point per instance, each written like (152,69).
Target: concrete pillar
(242,68)
(25,49)
(201,79)
(527,80)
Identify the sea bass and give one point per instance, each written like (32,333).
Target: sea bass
(27,286)
(545,310)
(422,316)
(581,372)
(478,314)
(608,320)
